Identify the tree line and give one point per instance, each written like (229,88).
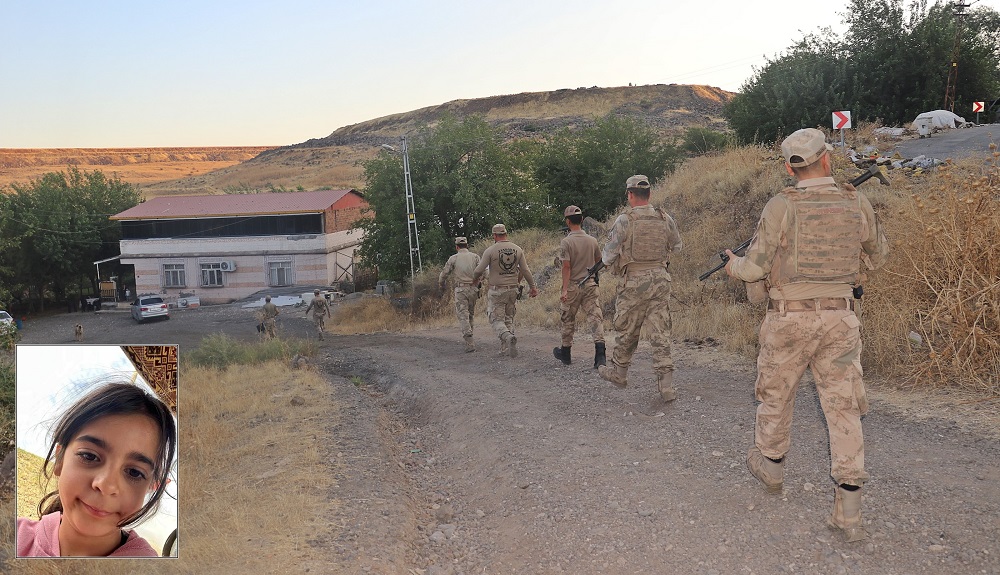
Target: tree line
(892,64)
(53,229)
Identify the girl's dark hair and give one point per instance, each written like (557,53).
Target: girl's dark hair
(114,399)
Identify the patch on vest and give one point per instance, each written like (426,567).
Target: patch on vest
(508,260)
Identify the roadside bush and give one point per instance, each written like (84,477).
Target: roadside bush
(697,141)
(6,404)
(935,309)
(9,336)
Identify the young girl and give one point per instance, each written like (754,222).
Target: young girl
(112,452)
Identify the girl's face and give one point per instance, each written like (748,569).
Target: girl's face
(104,475)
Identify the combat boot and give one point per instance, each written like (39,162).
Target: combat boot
(510,342)
(469,345)
(847,514)
(664,383)
(770,473)
(615,374)
(563,354)
(599,356)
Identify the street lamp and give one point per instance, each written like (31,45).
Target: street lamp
(412,236)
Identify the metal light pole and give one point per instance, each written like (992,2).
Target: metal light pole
(412,235)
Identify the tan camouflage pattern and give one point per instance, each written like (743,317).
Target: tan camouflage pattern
(463,264)
(643,300)
(585,299)
(320,308)
(772,237)
(269,311)
(828,342)
(614,253)
(465,307)
(501,306)
(828,228)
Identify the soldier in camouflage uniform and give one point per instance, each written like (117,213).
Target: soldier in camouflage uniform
(463,264)
(808,249)
(507,265)
(321,309)
(578,251)
(638,249)
(269,312)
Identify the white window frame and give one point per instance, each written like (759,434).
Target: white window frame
(276,265)
(211,271)
(176,270)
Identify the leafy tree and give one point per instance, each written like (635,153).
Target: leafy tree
(889,66)
(465,180)
(59,226)
(588,167)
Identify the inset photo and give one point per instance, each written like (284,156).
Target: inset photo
(96,451)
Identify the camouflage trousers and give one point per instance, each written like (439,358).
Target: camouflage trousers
(643,300)
(465,307)
(501,305)
(828,342)
(319,321)
(269,326)
(581,298)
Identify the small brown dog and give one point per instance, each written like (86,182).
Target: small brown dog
(78,332)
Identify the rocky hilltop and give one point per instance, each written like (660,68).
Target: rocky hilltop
(334,161)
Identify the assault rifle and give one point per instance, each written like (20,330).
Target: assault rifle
(593,272)
(875,171)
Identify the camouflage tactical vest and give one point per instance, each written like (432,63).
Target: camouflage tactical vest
(823,240)
(648,240)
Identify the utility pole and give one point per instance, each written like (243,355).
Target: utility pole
(412,235)
(949,92)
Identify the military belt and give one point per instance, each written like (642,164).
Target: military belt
(504,287)
(783,305)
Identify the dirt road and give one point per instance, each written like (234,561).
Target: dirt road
(455,463)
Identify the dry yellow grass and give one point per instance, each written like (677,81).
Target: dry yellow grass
(30,489)
(253,480)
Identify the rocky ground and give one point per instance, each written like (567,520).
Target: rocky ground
(455,463)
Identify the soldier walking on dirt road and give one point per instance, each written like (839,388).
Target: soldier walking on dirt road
(639,245)
(321,310)
(578,252)
(270,313)
(507,265)
(808,248)
(463,264)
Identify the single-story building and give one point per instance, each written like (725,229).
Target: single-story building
(220,248)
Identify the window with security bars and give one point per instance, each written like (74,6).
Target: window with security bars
(279,273)
(173,275)
(211,275)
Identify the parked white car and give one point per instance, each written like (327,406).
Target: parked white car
(5,318)
(149,306)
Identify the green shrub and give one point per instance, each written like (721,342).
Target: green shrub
(699,141)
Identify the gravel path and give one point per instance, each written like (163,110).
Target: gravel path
(450,463)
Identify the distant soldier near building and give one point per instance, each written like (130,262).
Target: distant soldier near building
(463,265)
(270,313)
(639,245)
(808,248)
(507,265)
(321,310)
(578,252)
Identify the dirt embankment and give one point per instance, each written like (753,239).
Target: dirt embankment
(450,463)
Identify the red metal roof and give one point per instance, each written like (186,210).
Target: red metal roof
(234,205)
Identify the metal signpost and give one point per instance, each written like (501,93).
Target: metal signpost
(842,121)
(977,107)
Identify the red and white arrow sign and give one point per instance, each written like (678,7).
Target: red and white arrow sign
(842,120)
(978,106)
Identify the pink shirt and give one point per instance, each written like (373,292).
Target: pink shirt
(41,539)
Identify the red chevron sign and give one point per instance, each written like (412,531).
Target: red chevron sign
(978,106)
(842,120)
